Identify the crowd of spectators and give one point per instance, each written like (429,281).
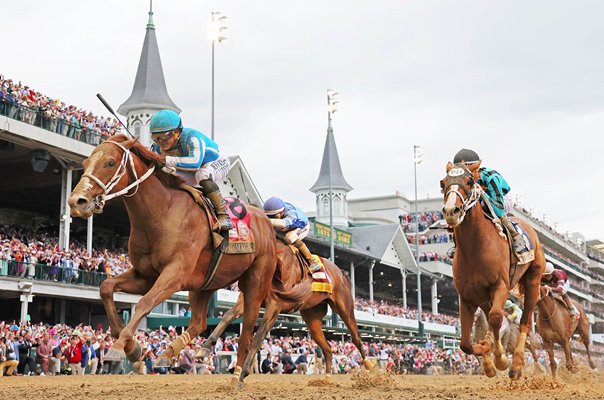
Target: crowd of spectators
(429,256)
(19,101)
(432,239)
(28,254)
(394,310)
(42,349)
(424,219)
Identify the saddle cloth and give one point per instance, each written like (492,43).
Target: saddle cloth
(240,238)
(528,255)
(321,281)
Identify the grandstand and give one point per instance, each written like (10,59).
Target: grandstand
(41,151)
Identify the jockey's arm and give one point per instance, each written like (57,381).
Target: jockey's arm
(278,223)
(191,161)
(559,287)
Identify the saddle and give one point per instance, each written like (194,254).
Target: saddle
(239,239)
(321,281)
(515,258)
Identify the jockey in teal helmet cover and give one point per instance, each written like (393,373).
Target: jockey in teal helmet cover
(189,152)
(495,188)
(289,219)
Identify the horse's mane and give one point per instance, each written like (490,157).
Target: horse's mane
(149,158)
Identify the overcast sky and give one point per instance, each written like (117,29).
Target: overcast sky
(521,82)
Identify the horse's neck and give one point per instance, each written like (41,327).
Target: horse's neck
(150,202)
(472,231)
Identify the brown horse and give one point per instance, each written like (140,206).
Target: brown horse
(556,325)
(481,267)
(313,307)
(170,246)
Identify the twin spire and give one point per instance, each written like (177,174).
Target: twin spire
(149,91)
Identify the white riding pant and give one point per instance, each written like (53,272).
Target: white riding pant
(217,170)
(295,234)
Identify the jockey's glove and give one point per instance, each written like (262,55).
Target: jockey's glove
(278,223)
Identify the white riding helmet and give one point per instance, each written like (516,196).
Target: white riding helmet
(549,268)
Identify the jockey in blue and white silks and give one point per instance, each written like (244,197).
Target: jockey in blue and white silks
(193,156)
(495,188)
(291,220)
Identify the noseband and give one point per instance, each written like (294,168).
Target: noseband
(455,176)
(99,201)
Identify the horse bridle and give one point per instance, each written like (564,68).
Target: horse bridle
(99,201)
(456,175)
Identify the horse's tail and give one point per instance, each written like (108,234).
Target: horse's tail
(297,294)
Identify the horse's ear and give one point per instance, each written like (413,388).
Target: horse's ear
(449,166)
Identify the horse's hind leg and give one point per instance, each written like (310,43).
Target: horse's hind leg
(344,307)
(584,334)
(198,301)
(313,317)
(232,314)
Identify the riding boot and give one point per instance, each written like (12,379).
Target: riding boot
(517,240)
(212,192)
(313,266)
(569,305)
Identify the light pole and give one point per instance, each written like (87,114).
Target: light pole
(217,28)
(333,98)
(418,156)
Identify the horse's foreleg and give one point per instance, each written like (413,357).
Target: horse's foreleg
(232,314)
(568,355)
(127,282)
(271,312)
(165,286)
(495,321)
(198,301)
(466,317)
(312,318)
(549,347)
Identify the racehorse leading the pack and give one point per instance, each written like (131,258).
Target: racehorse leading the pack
(481,268)
(170,246)
(312,308)
(556,325)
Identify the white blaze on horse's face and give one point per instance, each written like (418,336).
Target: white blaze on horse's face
(451,216)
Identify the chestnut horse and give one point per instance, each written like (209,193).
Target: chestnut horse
(556,325)
(481,268)
(170,246)
(313,307)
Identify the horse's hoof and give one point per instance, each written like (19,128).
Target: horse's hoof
(501,363)
(240,386)
(136,353)
(515,374)
(162,362)
(235,382)
(204,352)
(489,371)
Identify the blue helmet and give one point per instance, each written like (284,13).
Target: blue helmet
(273,206)
(164,121)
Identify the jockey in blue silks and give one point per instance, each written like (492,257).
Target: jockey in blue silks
(192,155)
(289,219)
(495,188)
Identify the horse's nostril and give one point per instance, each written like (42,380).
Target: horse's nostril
(82,201)
(456,210)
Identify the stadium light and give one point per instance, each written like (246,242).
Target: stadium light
(418,157)
(217,35)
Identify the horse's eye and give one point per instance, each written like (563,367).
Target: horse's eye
(471,182)
(111,163)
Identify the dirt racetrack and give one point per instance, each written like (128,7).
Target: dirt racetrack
(584,385)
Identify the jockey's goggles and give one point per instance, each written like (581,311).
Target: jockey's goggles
(163,137)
